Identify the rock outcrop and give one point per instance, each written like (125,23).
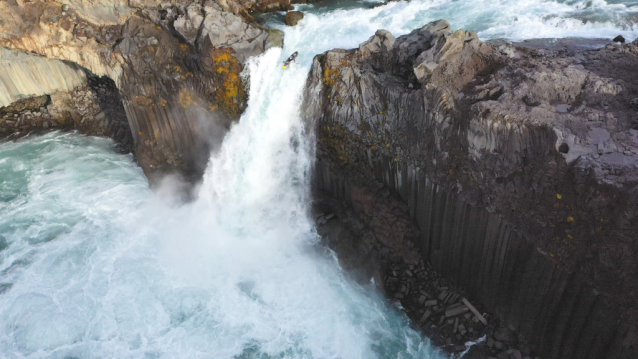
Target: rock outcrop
(37,93)
(293,17)
(519,166)
(176,65)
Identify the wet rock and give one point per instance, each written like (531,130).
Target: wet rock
(619,39)
(293,17)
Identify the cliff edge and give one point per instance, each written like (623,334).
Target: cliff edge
(519,166)
(176,65)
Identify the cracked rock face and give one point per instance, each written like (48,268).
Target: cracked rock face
(176,65)
(545,138)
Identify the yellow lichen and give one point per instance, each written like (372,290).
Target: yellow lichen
(231,85)
(559,196)
(142,101)
(227,68)
(185,99)
(571,219)
(330,76)
(184,47)
(225,56)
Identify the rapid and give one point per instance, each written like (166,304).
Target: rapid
(93,264)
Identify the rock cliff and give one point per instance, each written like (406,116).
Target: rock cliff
(176,65)
(519,166)
(37,93)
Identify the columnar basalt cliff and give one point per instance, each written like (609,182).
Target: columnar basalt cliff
(37,93)
(519,166)
(176,64)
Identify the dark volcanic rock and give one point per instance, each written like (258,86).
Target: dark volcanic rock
(519,166)
(619,38)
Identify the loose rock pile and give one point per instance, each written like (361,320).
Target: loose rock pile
(438,308)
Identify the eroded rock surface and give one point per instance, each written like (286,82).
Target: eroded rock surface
(517,164)
(38,94)
(176,65)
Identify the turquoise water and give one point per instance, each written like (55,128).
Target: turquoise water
(96,265)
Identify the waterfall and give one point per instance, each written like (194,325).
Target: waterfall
(95,265)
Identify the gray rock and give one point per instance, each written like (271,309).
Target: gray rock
(188,25)
(430,303)
(530,125)
(563,108)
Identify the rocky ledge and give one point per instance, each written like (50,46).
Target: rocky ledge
(517,169)
(175,65)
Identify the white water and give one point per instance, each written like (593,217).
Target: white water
(97,266)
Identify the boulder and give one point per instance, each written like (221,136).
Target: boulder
(293,17)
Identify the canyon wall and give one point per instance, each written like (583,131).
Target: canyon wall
(518,165)
(176,65)
(39,94)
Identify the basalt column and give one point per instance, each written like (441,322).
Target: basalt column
(176,65)
(517,165)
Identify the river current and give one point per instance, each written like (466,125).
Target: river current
(93,264)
